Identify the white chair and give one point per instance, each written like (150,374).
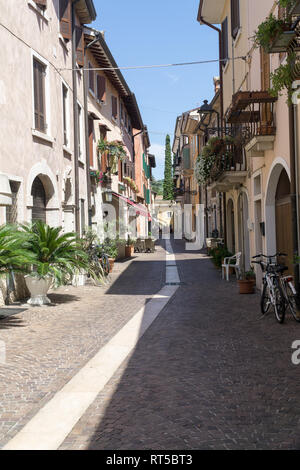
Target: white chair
(228,263)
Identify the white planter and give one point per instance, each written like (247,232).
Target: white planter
(78,280)
(38,288)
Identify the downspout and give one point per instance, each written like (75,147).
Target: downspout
(86,119)
(218,30)
(76,123)
(294,192)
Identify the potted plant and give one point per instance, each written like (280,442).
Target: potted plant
(275,34)
(110,248)
(247,282)
(129,248)
(57,256)
(15,255)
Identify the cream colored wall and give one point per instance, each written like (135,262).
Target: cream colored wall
(247,76)
(22,156)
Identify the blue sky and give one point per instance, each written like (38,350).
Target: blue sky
(160,32)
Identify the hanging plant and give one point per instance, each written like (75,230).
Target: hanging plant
(99,176)
(115,149)
(216,153)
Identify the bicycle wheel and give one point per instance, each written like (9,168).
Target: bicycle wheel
(265,299)
(105,264)
(292,305)
(280,304)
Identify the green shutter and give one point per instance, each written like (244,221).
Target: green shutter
(186,158)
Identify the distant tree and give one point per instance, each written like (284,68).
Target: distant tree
(157,186)
(168,192)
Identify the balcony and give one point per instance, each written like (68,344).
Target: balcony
(229,170)
(253,111)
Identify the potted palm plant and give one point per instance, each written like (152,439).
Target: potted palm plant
(247,282)
(14,254)
(57,256)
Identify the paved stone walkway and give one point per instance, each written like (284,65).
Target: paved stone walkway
(46,346)
(209,373)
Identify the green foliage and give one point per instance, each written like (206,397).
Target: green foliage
(267,32)
(282,79)
(168,185)
(110,247)
(215,147)
(57,254)
(157,186)
(14,250)
(218,255)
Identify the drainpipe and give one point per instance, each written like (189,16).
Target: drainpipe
(76,123)
(218,30)
(86,119)
(294,190)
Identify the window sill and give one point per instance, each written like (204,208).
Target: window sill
(67,150)
(38,10)
(40,135)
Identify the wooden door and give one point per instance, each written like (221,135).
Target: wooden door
(284,237)
(39,200)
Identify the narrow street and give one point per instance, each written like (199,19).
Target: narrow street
(208,373)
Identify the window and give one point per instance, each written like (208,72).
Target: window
(12,211)
(224,42)
(91,79)
(39,73)
(65,19)
(65,113)
(79,131)
(79,46)
(235,17)
(101,88)
(114,107)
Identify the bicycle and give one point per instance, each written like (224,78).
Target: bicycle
(99,261)
(272,292)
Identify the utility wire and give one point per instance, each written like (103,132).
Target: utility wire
(103,69)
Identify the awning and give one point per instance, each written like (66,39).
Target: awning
(5,191)
(139,208)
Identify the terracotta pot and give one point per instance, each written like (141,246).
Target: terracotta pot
(247,286)
(129,250)
(111,264)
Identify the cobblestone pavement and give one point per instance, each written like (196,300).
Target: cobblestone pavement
(209,373)
(46,346)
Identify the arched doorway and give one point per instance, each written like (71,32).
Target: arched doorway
(230,226)
(278,213)
(283,216)
(244,239)
(38,200)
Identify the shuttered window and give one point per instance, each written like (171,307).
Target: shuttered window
(39,72)
(65,19)
(91,141)
(224,43)
(114,107)
(235,17)
(65,101)
(101,88)
(79,131)
(12,210)
(79,46)
(103,135)
(265,69)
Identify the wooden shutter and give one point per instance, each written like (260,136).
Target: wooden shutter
(101,88)
(91,141)
(39,95)
(91,78)
(65,19)
(224,44)
(235,17)
(41,3)
(114,105)
(38,200)
(120,164)
(79,46)
(265,69)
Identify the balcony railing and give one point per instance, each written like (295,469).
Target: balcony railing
(253,112)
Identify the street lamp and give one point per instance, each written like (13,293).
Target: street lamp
(207,110)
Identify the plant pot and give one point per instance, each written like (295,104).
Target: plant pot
(246,286)
(111,264)
(129,250)
(38,288)
(121,251)
(281,42)
(78,280)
